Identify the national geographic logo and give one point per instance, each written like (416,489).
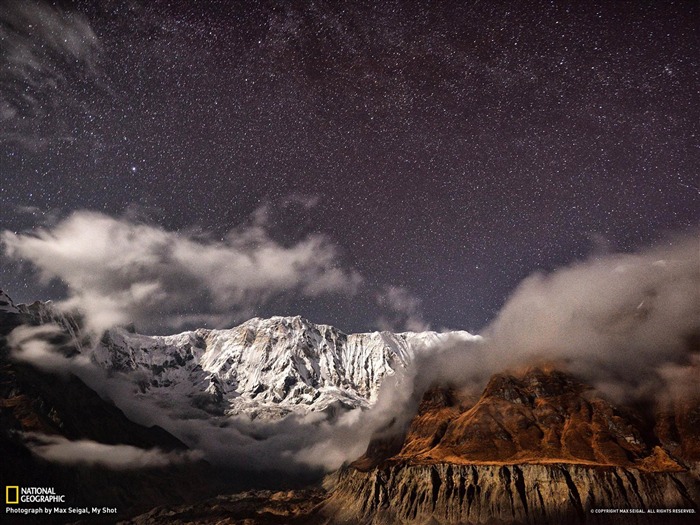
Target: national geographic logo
(14,495)
(11,495)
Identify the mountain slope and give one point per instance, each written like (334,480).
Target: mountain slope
(7,305)
(541,416)
(42,411)
(538,447)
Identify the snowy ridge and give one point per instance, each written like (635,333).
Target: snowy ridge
(264,367)
(41,312)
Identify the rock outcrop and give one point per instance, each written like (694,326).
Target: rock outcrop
(536,448)
(531,493)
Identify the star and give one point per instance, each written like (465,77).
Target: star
(489,136)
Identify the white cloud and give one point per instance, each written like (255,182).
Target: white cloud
(401,310)
(50,348)
(118,270)
(622,322)
(621,314)
(58,449)
(31,344)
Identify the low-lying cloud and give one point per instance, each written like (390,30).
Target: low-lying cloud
(622,322)
(58,449)
(614,318)
(118,270)
(33,344)
(625,323)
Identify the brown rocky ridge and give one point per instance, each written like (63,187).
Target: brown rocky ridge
(536,447)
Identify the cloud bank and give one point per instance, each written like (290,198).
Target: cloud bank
(119,271)
(624,322)
(401,310)
(614,318)
(58,449)
(628,324)
(33,344)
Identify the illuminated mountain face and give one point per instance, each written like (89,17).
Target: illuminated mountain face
(265,367)
(538,447)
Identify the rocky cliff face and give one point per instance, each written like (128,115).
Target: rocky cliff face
(533,494)
(538,447)
(535,417)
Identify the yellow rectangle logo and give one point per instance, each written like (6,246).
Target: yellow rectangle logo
(11,494)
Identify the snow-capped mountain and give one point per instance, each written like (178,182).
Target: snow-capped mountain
(264,367)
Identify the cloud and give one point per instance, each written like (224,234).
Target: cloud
(52,348)
(46,53)
(621,315)
(58,449)
(118,270)
(33,344)
(625,323)
(293,443)
(681,380)
(346,439)
(400,310)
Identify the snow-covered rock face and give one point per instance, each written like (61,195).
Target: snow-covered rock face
(264,367)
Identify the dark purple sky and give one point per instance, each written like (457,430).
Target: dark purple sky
(446,148)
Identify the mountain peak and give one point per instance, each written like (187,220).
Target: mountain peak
(539,416)
(537,446)
(265,367)
(534,383)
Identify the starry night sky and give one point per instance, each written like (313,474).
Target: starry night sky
(450,148)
